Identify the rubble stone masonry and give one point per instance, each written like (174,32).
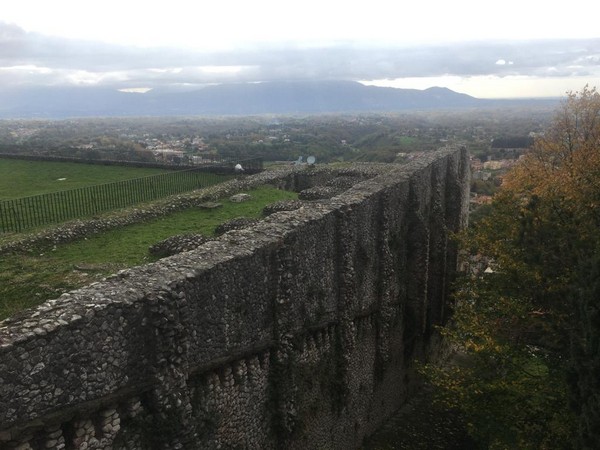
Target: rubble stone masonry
(298,332)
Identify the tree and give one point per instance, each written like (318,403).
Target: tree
(529,332)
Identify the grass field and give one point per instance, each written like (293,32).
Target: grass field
(25,178)
(86,190)
(28,279)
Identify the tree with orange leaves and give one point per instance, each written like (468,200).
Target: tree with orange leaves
(529,331)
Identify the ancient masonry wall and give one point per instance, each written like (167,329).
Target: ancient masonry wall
(298,332)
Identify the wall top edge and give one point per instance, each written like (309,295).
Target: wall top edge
(130,286)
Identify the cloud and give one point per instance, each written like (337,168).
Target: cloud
(31,59)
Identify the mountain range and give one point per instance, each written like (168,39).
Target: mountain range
(289,97)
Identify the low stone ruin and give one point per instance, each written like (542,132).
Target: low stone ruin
(177,244)
(282,205)
(235,224)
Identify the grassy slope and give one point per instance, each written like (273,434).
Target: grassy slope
(28,279)
(26,178)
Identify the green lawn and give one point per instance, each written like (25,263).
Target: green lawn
(28,279)
(100,188)
(25,178)
(405,141)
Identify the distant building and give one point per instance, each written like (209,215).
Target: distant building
(481,200)
(492,165)
(168,155)
(481,175)
(476,164)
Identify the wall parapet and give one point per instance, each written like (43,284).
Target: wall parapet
(297,332)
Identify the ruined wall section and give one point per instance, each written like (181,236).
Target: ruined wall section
(298,332)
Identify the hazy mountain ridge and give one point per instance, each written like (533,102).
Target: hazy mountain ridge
(301,97)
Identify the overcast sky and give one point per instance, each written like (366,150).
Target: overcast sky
(511,48)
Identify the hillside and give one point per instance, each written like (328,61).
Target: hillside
(227,99)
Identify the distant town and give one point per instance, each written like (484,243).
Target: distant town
(496,139)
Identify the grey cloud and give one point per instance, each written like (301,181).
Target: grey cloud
(55,60)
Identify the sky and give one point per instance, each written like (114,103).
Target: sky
(524,48)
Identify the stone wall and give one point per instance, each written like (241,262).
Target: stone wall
(298,332)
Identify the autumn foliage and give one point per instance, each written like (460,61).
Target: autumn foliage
(527,372)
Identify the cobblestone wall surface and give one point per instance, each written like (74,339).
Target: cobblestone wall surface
(296,332)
